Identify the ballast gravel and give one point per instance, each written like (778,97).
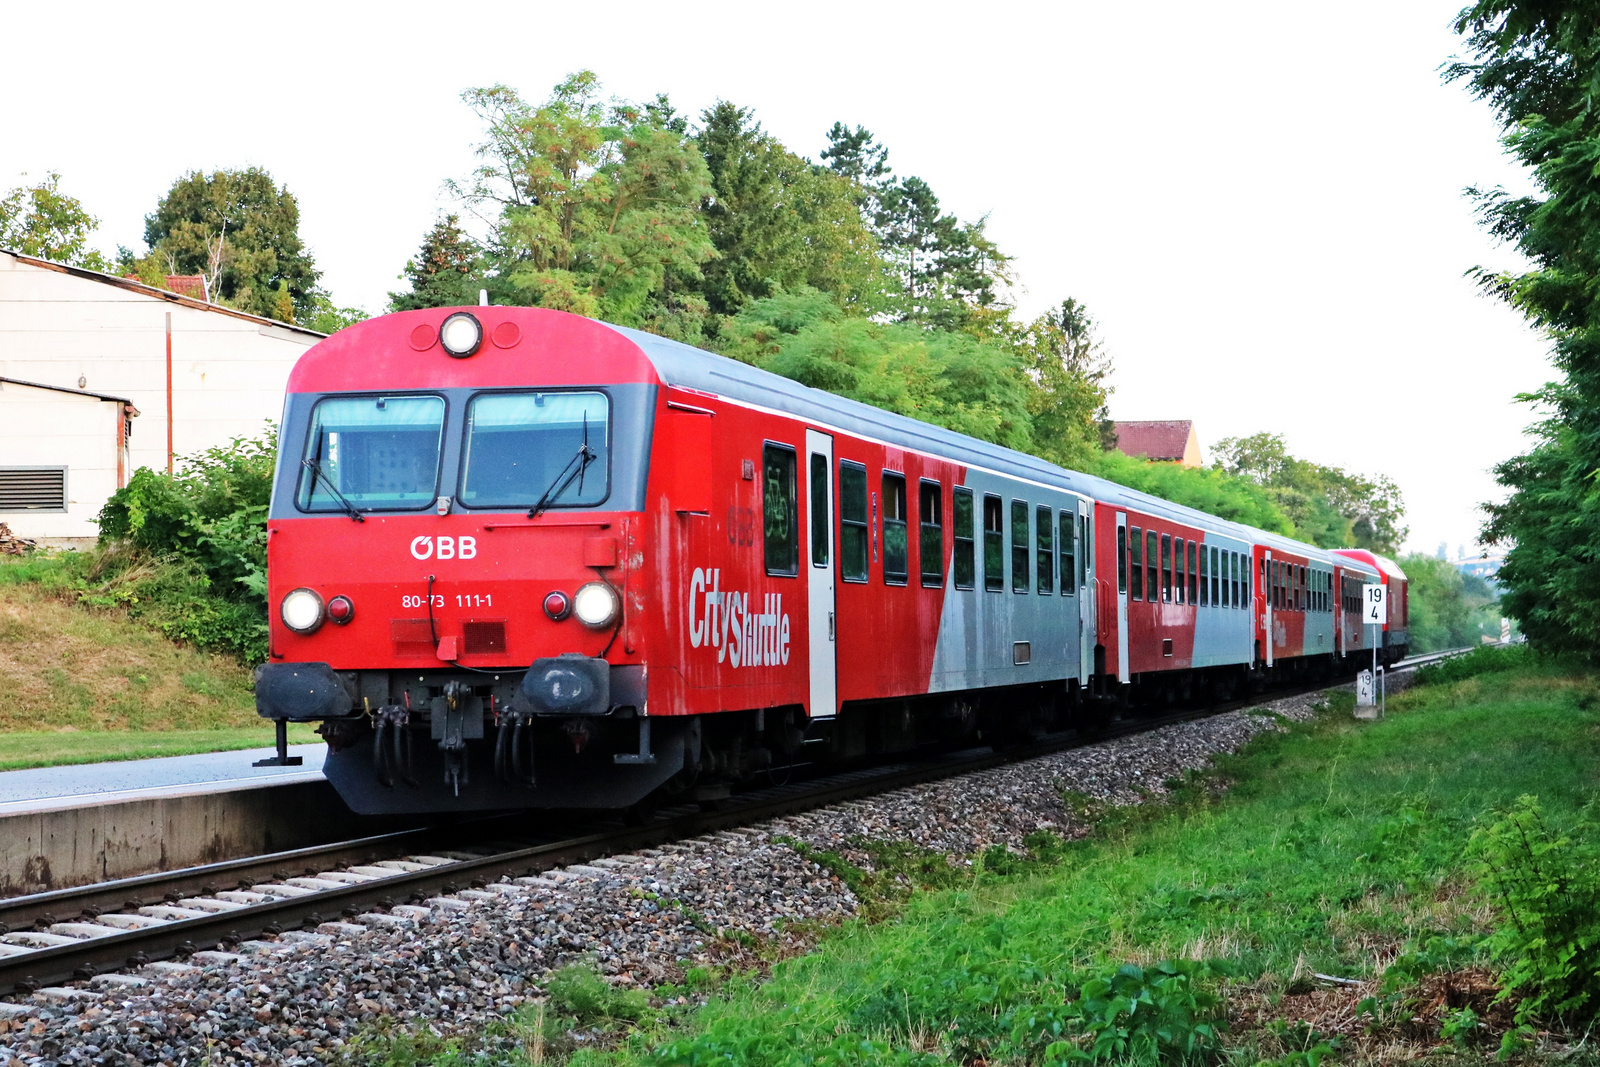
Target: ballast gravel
(463,961)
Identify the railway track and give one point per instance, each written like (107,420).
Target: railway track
(76,933)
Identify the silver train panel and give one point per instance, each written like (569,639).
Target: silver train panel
(997,638)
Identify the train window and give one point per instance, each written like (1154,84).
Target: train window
(1299,588)
(1019,546)
(820,537)
(852,521)
(964,563)
(1231,582)
(1178,583)
(1193,577)
(930,547)
(378,453)
(1166,568)
(1069,554)
(1122,559)
(1044,551)
(527,449)
(1216,579)
(778,511)
(1152,565)
(895,548)
(994,547)
(1205,578)
(1136,562)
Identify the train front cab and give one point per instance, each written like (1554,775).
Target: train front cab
(457,552)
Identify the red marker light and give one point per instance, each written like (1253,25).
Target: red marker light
(556,605)
(341,610)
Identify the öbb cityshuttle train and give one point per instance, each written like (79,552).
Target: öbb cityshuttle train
(518,558)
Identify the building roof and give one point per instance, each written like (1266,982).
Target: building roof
(190,285)
(1166,440)
(75,392)
(133,285)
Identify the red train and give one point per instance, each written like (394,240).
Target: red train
(519,558)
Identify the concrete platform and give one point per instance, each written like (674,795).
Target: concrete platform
(66,826)
(44,788)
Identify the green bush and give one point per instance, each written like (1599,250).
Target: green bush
(1545,889)
(184,553)
(579,991)
(213,512)
(1485,659)
(1167,1014)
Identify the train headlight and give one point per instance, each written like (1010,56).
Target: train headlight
(341,610)
(596,604)
(461,334)
(301,611)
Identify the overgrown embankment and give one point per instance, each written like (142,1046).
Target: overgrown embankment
(1359,891)
(142,645)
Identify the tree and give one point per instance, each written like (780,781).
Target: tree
(1068,370)
(943,377)
(40,220)
(447,271)
(242,231)
(1534,63)
(594,209)
(1448,609)
(1329,507)
(950,275)
(778,222)
(1208,489)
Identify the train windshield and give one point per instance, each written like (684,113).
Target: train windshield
(372,453)
(530,449)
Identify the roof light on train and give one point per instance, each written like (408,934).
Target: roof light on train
(461,334)
(596,604)
(301,611)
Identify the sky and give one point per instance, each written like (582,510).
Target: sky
(1260,203)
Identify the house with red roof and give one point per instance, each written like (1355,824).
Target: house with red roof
(1169,440)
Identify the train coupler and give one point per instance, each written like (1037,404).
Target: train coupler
(456,717)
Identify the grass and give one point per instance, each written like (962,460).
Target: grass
(1340,847)
(58,748)
(81,682)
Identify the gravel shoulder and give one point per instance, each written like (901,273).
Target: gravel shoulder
(461,962)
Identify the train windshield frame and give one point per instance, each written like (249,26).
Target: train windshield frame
(372,453)
(536,446)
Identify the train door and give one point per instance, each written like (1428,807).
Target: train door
(1336,602)
(1268,588)
(822,636)
(1122,596)
(1089,597)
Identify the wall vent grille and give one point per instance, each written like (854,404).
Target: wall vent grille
(33,489)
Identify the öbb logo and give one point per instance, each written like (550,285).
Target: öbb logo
(444,547)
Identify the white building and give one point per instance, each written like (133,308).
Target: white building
(83,353)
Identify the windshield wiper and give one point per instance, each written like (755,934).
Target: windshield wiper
(583,457)
(314,465)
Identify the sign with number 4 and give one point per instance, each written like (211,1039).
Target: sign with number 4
(1373,605)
